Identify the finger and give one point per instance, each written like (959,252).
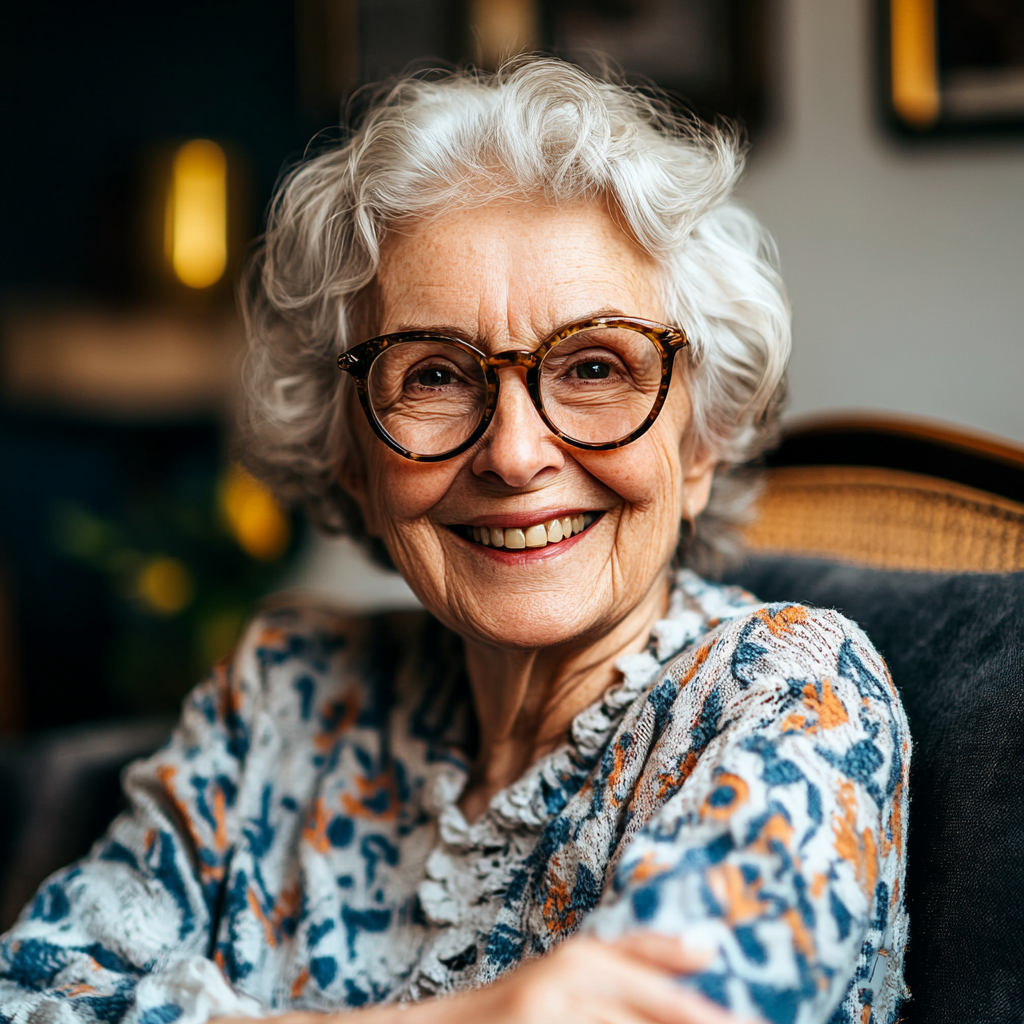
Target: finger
(669,952)
(597,981)
(682,1006)
(655,996)
(697,1009)
(621,1011)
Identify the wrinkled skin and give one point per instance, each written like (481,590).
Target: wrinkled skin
(541,635)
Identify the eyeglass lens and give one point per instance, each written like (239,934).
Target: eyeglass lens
(596,386)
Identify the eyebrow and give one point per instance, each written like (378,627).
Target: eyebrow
(453,331)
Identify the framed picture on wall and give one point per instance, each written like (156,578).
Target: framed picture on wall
(711,54)
(952,67)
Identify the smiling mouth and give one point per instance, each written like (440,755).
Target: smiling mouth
(539,535)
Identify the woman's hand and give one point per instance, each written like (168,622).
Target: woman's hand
(586,981)
(583,981)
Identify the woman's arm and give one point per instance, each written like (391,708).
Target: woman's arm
(632,980)
(124,934)
(769,819)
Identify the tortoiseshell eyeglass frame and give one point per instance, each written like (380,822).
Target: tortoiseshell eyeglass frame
(358,360)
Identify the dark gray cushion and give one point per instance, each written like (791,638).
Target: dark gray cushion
(955,647)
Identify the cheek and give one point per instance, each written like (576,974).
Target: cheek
(648,474)
(396,489)
(402,491)
(648,477)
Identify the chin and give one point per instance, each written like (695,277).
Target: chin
(530,636)
(535,614)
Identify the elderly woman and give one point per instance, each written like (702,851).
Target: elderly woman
(511,335)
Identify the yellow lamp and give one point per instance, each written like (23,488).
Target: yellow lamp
(166,586)
(196,221)
(253,516)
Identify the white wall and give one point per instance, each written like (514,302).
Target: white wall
(905,265)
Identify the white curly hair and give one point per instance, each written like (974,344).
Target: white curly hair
(536,128)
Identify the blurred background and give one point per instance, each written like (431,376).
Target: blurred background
(141,143)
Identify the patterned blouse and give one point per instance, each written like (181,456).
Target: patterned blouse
(298,843)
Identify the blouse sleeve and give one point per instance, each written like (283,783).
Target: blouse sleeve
(124,934)
(769,831)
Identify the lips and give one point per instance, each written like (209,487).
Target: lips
(535,535)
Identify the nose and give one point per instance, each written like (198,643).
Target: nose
(517,449)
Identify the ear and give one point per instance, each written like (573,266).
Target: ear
(697,483)
(353,471)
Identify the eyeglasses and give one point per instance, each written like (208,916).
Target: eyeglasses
(597,384)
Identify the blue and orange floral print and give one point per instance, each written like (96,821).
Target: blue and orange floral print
(299,843)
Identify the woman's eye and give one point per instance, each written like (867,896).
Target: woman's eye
(592,371)
(434,378)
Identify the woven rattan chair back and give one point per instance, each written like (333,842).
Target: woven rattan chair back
(894,494)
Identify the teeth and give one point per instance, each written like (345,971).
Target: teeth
(537,536)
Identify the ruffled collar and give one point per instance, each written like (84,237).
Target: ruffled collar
(473,864)
(695,607)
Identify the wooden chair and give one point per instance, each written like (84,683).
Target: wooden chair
(894,494)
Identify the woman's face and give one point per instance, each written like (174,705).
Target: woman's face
(505,277)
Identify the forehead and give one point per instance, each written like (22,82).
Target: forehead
(500,269)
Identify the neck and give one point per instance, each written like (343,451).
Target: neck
(526,700)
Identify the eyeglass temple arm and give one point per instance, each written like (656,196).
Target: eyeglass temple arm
(353,363)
